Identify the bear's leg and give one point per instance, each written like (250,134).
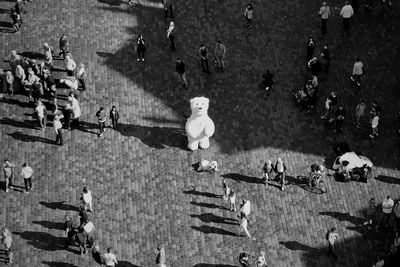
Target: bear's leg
(193,145)
(204,143)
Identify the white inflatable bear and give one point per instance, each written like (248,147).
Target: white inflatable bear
(199,126)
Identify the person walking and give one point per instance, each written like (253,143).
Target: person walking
(310,48)
(81,75)
(203,52)
(339,119)
(374,126)
(64,45)
(232,200)
(168,8)
(380,262)
(360,113)
(16,20)
(48,56)
(10,83)
(371,210)
(331,237)
(114,117)
(87,199)
(324,13)
(6,239)
(346,13)
(160,256)
(58,115)
(27,174)
(261,260)
(171,35)
(280,169)
(358,71)
(330,104)
(140,48)
(180,69)
(243,224)
(8,170)
(41,114)
(387,207)
(49,84)
(220,54)
(110,259)
(67,116)
(325,55)
(102,117)
(266,171)
(76,111)
(245,207)
(248,14)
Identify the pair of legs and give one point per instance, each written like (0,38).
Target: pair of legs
(172,40)
(182,77)
(331,250)
(140,55)
(8,181)
(114,124)
(59,137)
(28,184)
(220,63)
(324,26)
(204,65)
(102,126)
(281,177)
(42,122)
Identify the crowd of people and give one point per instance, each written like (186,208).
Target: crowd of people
(35,78)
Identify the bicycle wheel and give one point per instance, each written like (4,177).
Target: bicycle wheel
(322,186)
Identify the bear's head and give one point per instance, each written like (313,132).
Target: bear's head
(199,105)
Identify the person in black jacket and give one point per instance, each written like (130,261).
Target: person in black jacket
(310,48)
(180,69)
(140,48)
(339,118)
(114,117)
(203,52)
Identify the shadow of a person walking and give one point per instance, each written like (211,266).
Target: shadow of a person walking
(59,205)
(30,138)
(212,230)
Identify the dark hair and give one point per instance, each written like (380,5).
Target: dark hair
(202,45)
(358,59)
(178,59)
(85,190)
(108,250)
(219,41)
(101,108)
(25,164)
(333,229)
(5,160)
(113,107)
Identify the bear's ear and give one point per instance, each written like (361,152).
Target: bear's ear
(206,100)
(192,101)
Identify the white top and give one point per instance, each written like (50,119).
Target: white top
(26,172)
(57,124)
(40,110)
(110,259)
(332,237)
(375,122)
(246,208)
(87,198)
(75,108)
(387,205)
(324,12)
(89,227)
(358,68)
(347,12)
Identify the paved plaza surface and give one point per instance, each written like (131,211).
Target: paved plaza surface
(145,189)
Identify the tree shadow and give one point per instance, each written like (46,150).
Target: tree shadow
(156,137)
(58,264)
(388,179)
(126,264)
(60,205)
(343,216)
(50,225)
(43,241)
(212,230)
(198,193)
(30,138)
(208,205)
(243,178)
(212,218)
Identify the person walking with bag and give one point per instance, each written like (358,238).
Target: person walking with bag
(248,15)
(58,115)
(8,170)
(27,174)
(101,116)
(324,13)
(140,48)
(358,71)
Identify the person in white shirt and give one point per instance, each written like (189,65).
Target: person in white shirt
(379,262)
(41,114)
(261,261)
(27,173)
(346,13)
(48,56)
(358,71)
(109,258)
(245,207)
(88,229)
(76,110)
(243,225)
(374,126)
(387,207)
(81,75)
(58,126)
(87,199)
(332,235)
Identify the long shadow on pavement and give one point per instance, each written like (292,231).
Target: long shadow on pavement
(243,178)
(213,265)
(42,240)
(58,264)
(126,264)
(59,205)
(388,179)
(212,218)
(30,138)
(212,230)
(208,205)
(198,193)
(50,225)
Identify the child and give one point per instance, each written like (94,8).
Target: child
(248,14)
(232,200)
(267,170)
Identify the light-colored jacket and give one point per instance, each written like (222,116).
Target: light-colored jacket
(324,12)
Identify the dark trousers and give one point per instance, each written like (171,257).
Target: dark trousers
(338,124)
(114,124)
(331,250)
(248,22)
(172,40)
(324,26)
(169,12)
(140,54)
(67,119)
(83,84)
(59,137)
(281,177)
(102,125)
(28,184)
(75,123)
(346,24)
(204,65)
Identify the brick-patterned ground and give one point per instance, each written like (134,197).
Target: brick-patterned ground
(146,191)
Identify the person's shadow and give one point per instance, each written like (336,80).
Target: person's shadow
(193,191)
(208,205)
(58,264)
(30,138)
(126,264)
(43,241)
(50,225)
(58,205)
(243,178)
(212,218)
(212,230)
(343,216)
(113,3)
(156,137)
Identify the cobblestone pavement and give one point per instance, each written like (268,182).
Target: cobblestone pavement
(145,189)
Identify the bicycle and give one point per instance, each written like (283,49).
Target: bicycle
(310,180)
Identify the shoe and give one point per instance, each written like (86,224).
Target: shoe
(6,190)
(323,117)
(26,192)
(358,126)
(266,88)
(358,84)
(376,134)
(142,59)
(101,134)
(138,59)
(372,136)
(331,120)
(352,79)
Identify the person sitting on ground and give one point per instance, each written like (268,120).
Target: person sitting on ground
(244,259)
(208,166)
(261,261)
(317,171)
